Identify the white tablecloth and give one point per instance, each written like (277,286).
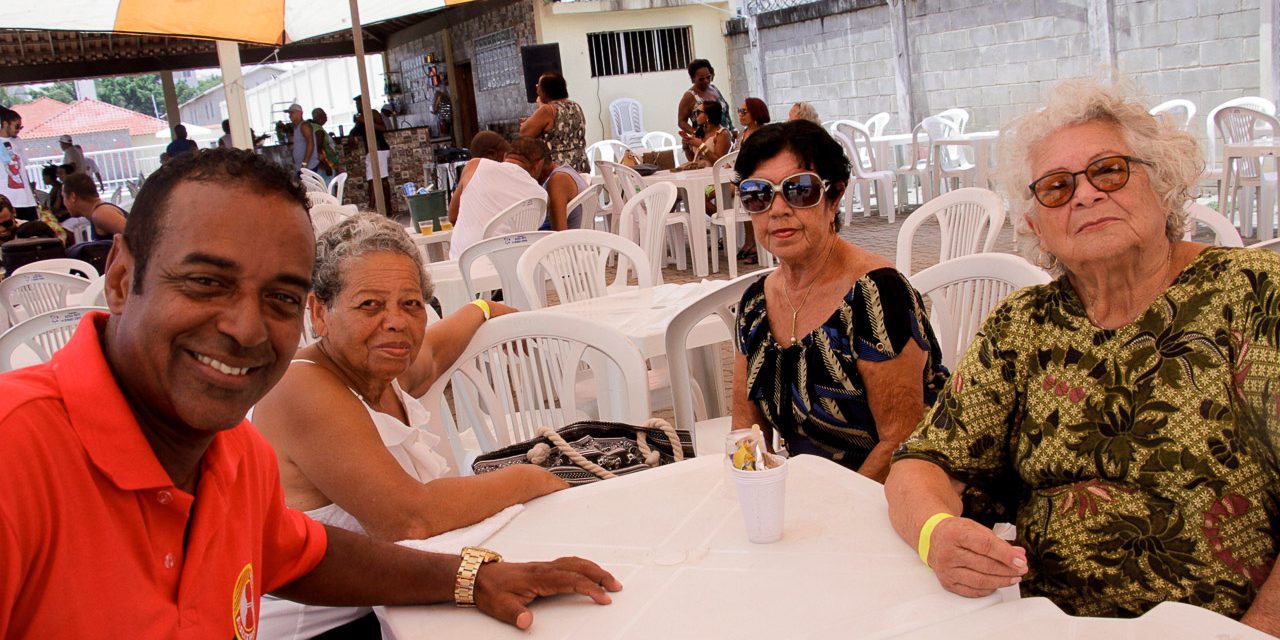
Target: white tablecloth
(450,290)
(674,536)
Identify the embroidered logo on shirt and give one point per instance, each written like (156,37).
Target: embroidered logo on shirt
(243,616)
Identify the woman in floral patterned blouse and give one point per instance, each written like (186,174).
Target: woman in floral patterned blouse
(559,122)
(1121,416)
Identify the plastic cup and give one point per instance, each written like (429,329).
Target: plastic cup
(426,229)
(445,225)
(762,495)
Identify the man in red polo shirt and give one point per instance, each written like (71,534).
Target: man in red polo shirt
(136,501)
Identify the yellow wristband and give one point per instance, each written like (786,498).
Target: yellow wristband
(484,307)
(926,532)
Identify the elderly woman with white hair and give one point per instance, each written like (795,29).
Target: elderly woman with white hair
(348,432)
(1122,415)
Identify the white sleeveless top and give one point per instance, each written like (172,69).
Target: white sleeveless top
(493,187)
(412,446)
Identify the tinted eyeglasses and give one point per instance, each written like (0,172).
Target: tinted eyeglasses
(742,111)
(1105,174)
(801,191)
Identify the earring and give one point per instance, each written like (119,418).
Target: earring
(1052,263)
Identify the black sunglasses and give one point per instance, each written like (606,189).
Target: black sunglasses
(742,111)
(801,191)
(8,223)
(1105,174)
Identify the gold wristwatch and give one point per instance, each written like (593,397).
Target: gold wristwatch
(464,589)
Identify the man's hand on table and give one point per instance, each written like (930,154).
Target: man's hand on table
(972,561)
(504,589)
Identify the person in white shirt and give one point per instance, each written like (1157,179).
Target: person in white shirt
(487,188)
(13,176)
(71,154)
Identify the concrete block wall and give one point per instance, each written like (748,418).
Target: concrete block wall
(997,57)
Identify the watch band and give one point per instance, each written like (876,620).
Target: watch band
(464,588)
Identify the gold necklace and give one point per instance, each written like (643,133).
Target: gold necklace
(795,311)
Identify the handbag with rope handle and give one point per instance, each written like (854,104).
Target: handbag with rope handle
(590,451)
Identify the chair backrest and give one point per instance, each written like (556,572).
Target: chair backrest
(957,115)
(969,221)
(1179,110)
(857,147)
(526,215)
(647,213)
(504,253)
(938,128)
(722,175)
(338,186)
(1239,125)
(324,216)
(1210,123)
(723,303)
(658,140)
(1224,233)
(60,265)
(118,195)
(321,196)
(307,174)
(626,184)
(628,117)
(589,200)
(963,291)
(876,124)
(42,335)
(314,186)
(1269,245)
(575,261)
(520,372)
(607,150)
(38,292)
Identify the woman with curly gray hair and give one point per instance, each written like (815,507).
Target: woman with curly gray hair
(348,432)
(1120,415)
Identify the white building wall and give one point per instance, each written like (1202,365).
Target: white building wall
(329,84)
(659,93)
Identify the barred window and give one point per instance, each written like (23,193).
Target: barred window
(497,60)
(616,53)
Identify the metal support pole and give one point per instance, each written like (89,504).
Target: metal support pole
(370,131)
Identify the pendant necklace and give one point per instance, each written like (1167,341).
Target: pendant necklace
(795,311)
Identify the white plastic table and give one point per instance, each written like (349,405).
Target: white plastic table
(450,290)
(674,536)
(434,247)
(982,143)
(642,315)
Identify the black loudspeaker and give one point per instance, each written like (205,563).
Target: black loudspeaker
(537,60)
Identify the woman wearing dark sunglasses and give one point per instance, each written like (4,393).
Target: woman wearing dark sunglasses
(835,349)
(1124,415)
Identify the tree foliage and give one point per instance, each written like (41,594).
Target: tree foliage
(60,91)
(137,92)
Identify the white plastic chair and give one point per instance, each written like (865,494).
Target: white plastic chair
(659,140)
(1179,111)
(307,174)
(589,200)
(969,219)
(118,195)
(630,184)
(722,303)
(727,214)
(325,215)
(521,372)
(957,115)
(951,162)
(862,161)
(606,171)
(1240,125)
(526,215)
(1213,168)
(338,186)
(69,266)
(650,213)
(1224,233)
(30,294)
(920,164)
(876,124)
(628,121)
(321,196)
(963,291)
(607,150)
(41,335)
(575,262)
(504,253)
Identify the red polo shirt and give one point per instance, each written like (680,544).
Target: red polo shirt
(91,527)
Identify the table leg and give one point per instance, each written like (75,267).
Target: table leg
(698,229)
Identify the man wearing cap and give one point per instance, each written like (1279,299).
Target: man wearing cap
(302,140)
(180,144)
(71,154)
